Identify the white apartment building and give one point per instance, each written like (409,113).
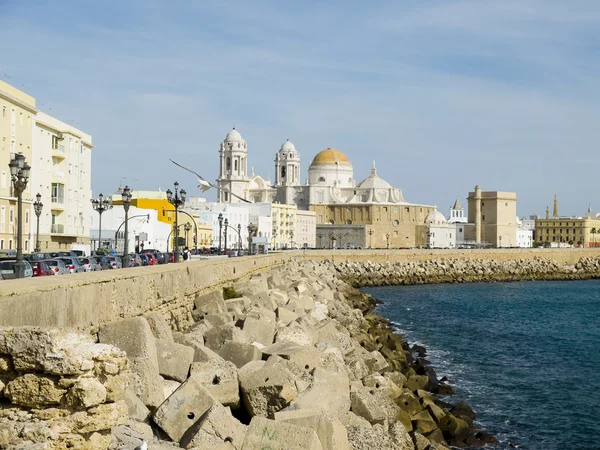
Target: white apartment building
(61,173)
(440,233)
(283,232)
(236,215)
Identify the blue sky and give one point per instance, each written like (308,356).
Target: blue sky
(443,95)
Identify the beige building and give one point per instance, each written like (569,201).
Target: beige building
(17,112)
(283,219)
(306,229)
(559,231)
(62,174)
(492,218)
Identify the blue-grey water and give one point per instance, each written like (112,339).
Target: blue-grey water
(525,356)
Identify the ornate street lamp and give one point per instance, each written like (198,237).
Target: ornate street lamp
(187,227)
(126,197)
(387,237)
(19,171)
(320,236)
(239,228)
(100,205)
(176,200)
(226,225)
(220,230)
(37,208)
(371,237)
(251,231)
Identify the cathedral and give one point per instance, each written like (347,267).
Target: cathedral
(378,209)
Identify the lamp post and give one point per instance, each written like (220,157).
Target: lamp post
(320,236)
(187,227)
(371,237)
(19,171)
(500,238)
(126,197)
(220,230)
(176,199)
(291,239)
(387,238)
(226,225)
(100,205)
(37,208)
(251,230)
(239,228)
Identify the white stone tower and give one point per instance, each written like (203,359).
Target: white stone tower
(457,213)
(233,168)
(287,172)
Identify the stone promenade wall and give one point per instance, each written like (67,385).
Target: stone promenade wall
(85,301)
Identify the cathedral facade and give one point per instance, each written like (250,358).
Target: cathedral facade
(330,190)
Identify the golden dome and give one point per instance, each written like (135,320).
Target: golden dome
(330,156)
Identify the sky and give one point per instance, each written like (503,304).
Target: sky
(442,95)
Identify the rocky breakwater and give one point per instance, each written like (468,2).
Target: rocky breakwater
(447,270)
(290,359)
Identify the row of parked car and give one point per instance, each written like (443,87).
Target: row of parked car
(61,263)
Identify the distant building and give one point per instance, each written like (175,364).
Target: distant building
(306,229)
(491,218)
(457,213)
(566,231)
(441,234)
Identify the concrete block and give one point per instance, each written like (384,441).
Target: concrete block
(239,353)
(275,281)
(170,386)
(320,312)
(260,325)
(307,358)
(216,337)
(376,363)
(306,302)
(210,303)
(285,316)
(136,408)
(159,326)
(300,287)
(174,360)
(134,336)
(365,405)
(333,381)
(237,304)
(321,397)
(216,428)
(383,384)
(279,297)
(251,287)
(264,434)
(330,431)
(184,408)
(263,300)
(298,334)
(220,379)
(218,319)
(267,390)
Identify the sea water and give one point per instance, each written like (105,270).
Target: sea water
(525,356)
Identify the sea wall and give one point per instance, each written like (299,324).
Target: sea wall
(86,301)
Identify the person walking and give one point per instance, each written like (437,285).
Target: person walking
(186,255)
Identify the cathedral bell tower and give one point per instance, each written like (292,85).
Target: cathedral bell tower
(287,172)
(233,155)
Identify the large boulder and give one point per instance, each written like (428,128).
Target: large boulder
(220,379)
(330,431)
(260,325)
(159,326)
(216,427)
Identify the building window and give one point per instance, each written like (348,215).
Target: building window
(54,142)
(228,163)
(460,230)
(322,179)
(396,222)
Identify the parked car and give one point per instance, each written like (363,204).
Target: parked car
(41,269)
(62,254)
(134,260)
(151,259)
(171,256)
(37,256)
(58,266)
(144,259)
(115,262)
(73,264)
(7,268)
(89,264)
(166,257)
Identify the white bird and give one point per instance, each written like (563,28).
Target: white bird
(206,185)
(142,446)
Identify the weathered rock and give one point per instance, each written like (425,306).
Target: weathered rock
(170,386)
(174,360)
(99,418)
(260,325)
(216,337)
(184,408)
(365,405)
(85,393)
(210,303)
(34,391)
(135,407)
(265,434)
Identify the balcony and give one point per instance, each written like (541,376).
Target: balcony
(57,203)
(59,151)
(58,175)
(57,228)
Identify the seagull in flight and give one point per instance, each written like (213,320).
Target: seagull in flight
(206,185)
